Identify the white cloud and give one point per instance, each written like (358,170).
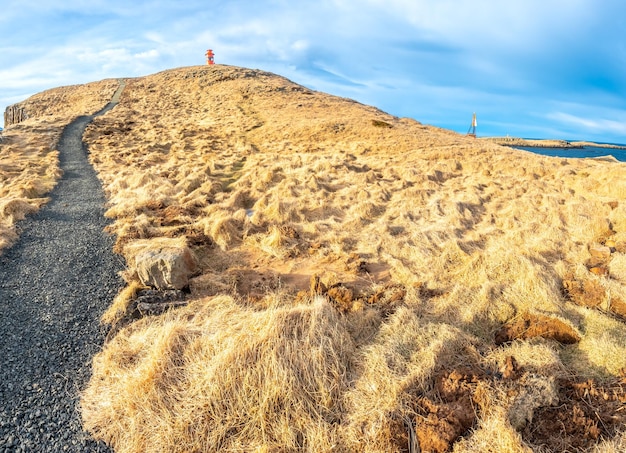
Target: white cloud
(300,45)
(149,54)
(591,125)
(495,23)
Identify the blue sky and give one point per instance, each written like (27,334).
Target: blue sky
(529,68)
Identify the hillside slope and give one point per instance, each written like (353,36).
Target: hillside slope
(360,282)
(430,260)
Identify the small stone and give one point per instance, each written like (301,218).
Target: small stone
(599,270)
(600,252)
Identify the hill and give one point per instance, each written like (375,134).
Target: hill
(333,278)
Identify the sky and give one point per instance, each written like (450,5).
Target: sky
(528,68)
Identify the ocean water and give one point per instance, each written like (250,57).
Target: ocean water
(587,151)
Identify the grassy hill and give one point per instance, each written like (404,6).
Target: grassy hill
(361,282)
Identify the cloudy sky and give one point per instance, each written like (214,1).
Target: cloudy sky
(529,68)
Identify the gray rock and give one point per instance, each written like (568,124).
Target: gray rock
(166,268)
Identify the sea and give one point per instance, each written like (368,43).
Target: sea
(587,151)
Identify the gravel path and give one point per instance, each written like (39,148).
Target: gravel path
(55,282)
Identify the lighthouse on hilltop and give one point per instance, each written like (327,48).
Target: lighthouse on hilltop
(210,57)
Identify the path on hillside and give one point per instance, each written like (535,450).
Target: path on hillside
(55,282)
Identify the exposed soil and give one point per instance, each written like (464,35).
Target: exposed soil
(510,369)
(587,412)
(441,421)
(347,297)
(254,284)
(582,414)
(618,307)
(590,293)
(443,415)
(530,326)
(587,293)
(342,296)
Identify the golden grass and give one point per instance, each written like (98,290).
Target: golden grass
(494,433)
(612,446)
(217,376)
(392,370)
(440,239)
(118,307)
(28,171)
(602,350)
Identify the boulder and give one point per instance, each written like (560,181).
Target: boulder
(165,268)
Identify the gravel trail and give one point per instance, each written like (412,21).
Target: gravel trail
(55,282)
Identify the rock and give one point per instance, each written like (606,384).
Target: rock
(14,114)
(153,302)
(165,268)
(600,252)
(599,270)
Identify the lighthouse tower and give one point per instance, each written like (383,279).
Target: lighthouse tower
(210,57)
(472,129)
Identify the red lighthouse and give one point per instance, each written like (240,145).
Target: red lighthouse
(210,57)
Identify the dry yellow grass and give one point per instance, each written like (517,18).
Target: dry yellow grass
(29,161)
(267,177)
(222,377)
(430,250)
